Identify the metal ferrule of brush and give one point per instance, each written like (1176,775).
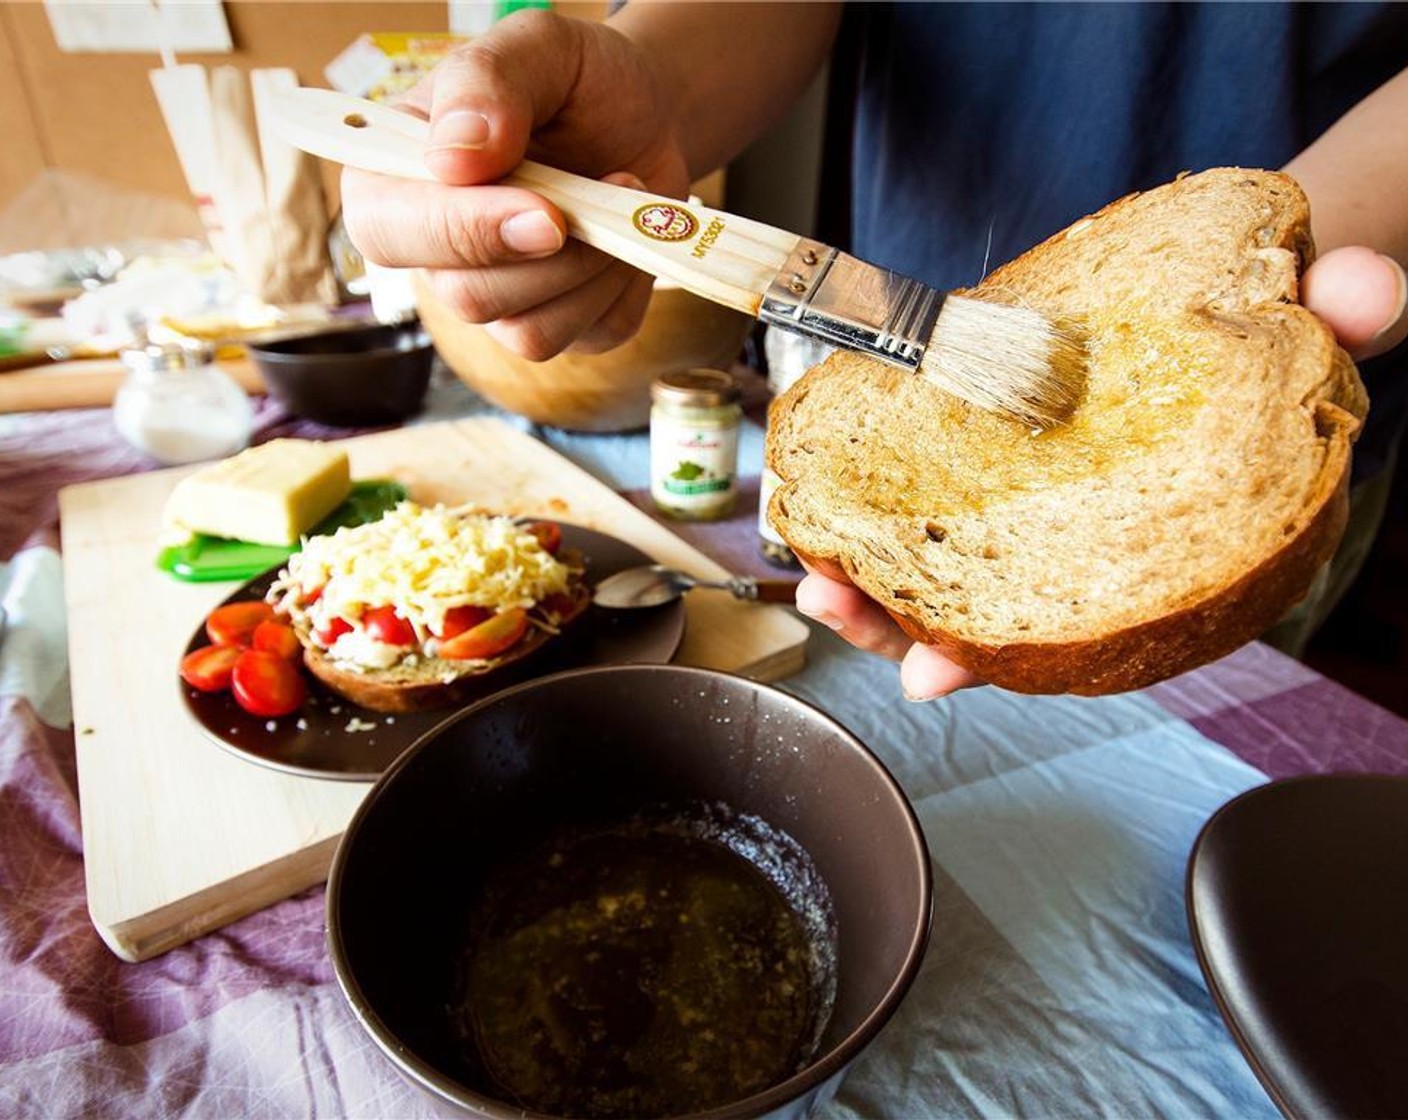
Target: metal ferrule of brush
(832,296)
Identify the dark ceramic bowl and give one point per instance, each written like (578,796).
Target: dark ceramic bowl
(365,374)
(578,750)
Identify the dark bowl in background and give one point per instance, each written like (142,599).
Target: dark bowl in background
(591,745)
(373,373)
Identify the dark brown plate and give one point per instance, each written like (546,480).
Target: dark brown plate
(1298,906)
(330,737)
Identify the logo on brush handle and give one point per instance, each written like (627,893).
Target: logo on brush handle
(665,221)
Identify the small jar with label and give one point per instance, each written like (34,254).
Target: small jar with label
(694,420)
(178,406)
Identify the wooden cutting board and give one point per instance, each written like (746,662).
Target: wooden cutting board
(181,836)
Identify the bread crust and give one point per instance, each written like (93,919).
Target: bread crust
(434,683)
(1197,621)
(1138,656)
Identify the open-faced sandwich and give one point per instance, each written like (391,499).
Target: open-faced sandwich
(406,613)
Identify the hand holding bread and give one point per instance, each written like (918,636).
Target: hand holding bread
(1190,502)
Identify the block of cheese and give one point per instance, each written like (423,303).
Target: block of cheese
(269,494)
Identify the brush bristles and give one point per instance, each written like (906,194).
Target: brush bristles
(1006,359)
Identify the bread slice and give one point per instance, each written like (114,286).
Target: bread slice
(431,682)
(1187,505)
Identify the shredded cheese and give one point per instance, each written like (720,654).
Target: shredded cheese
(423,562)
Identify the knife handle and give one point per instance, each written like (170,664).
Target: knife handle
(719,256)
(776,590)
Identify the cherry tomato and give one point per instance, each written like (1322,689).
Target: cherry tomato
(488,638)
(279,638)
(233,624)
(334,630)
(208,668)
(549,534)
(460,619)
(265,684)
(385,625)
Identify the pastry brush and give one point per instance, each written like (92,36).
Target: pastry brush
(1006,359)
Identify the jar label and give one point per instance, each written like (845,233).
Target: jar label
(693,467)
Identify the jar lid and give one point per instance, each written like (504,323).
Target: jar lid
(701,388)
(162,357)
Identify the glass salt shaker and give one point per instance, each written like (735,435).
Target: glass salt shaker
(694,421)
(178,406)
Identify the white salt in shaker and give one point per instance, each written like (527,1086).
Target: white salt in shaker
(178,406)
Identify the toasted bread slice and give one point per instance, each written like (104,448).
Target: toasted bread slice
(430,682)
(1187,505)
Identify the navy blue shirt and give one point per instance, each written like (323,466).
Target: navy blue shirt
(982,129)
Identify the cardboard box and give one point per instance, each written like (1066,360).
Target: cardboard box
(381,65)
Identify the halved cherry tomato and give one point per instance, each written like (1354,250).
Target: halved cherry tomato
(460,619)
(385,625)
(549,534)
(488,638)
(265,684)
(334,630)
(233,624)
(279,638)
(208,668)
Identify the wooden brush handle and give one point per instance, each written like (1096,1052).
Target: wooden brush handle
(719,256)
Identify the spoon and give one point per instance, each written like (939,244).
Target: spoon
(655,585)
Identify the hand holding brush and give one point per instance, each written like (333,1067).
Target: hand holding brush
(997,356)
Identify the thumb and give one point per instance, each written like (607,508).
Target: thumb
(1361,294)
(485,98)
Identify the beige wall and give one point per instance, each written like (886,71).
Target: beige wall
(95,114)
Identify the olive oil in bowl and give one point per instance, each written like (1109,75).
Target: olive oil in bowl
(654,967)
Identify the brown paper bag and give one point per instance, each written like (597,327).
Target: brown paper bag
(293,195)
(261,198)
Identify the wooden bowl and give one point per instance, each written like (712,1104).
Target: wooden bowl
(607,392)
